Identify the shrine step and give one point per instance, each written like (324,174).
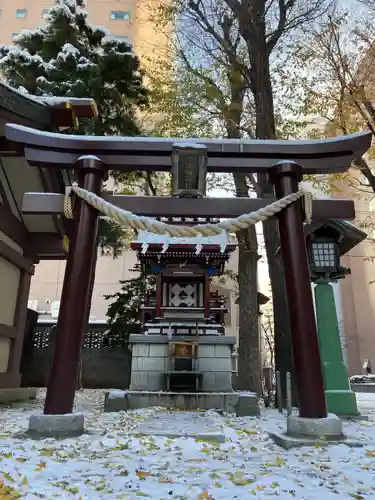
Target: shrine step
(241,403)
(197,425)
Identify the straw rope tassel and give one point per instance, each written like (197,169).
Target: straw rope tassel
(68,205)
(139,223)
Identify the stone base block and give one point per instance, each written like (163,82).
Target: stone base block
(359,387)
(247,405)
(341,402)
(315,428)
(198,426)
(17,394)
(355,418)
(115,401)
(288,442)
(243,404)
(56,425)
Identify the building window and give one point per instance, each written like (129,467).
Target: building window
(21,13)
(1,12)
(120,38)
(120,15)
(117,38)
(45,13)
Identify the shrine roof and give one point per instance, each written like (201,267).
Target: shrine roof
(156,248)
(188,221)
(149,242)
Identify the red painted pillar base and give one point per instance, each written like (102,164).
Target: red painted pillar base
(75,293)
(308,371)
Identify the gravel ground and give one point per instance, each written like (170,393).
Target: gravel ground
(111,462)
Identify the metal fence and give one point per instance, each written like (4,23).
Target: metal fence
(96,337)
(106,360)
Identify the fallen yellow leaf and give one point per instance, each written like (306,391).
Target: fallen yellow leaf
(7,476)
(205,495)
(143,474)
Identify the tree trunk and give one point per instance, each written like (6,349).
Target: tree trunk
(265,129)
(249,375)
(249,350)
(282,337)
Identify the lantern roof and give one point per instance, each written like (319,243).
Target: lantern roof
(350,235)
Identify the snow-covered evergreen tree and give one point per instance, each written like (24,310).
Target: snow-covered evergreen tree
(69,57)
(124,307)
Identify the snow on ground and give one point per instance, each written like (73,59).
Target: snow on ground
(109,462)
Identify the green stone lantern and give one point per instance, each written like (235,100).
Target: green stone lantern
(325,268)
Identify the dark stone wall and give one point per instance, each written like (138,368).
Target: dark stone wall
(101,368)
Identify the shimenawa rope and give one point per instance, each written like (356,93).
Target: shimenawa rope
(140,223)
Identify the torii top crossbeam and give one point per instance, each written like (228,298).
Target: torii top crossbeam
(154,154)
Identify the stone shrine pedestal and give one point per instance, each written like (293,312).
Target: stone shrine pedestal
(151,363)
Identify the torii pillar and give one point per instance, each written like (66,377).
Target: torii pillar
(309,379)
(74,308)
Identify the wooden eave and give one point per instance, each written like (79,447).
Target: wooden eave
(19,108)
(181,248)
(43,113)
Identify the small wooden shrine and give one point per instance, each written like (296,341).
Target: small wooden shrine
(182,302)
(183,347)
(183,321)
(183,313)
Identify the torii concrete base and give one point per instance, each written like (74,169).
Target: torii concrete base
(241,403)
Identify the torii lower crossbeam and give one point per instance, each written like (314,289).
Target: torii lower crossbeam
(165,206)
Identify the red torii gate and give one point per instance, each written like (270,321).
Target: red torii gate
(91,157)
